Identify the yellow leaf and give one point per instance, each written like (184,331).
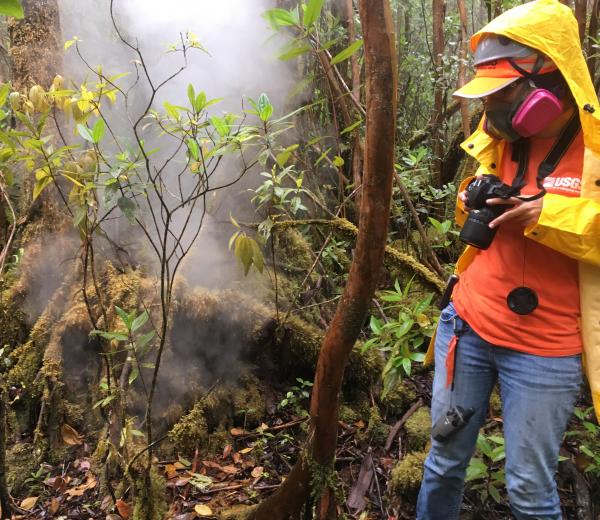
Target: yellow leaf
(203,510)
(29,503)
(70,435)
(423,320)
(246,450)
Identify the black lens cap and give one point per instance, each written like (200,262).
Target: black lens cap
(522,300)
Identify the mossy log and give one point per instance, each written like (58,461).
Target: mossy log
(393,257)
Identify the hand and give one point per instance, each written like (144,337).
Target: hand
(524,213)
(462,196)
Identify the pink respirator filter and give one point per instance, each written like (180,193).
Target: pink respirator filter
(539,109)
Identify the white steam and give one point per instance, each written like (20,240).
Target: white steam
(240,62)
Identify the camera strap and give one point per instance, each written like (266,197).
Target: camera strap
(550,162)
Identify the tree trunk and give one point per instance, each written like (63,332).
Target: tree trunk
(380,71)
(4,496)
(358,147)
(581,17)
(593,34)
(438,101)
(462,66)
(36,48)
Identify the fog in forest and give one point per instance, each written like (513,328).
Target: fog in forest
(239,61)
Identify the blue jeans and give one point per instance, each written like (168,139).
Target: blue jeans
(538,394)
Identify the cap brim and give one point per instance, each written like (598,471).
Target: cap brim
(482,86)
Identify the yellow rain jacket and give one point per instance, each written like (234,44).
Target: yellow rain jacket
(570,226)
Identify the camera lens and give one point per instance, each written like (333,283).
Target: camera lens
(476,231)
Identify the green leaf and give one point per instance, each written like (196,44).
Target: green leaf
(264,107)
(244,252)
(220,125)
(233,239)
(79,216)
(495,494)
(40,185)
(293,50)
(144,339)
(4,92)
(347,52)
(128,207)
(125,318)
(85,132)
(200,102)
(312,12)
(133,375)
(349,129)
(375,325)
(338,161)
(191,94)
(98,130)
(11,8)
(194,149)
(281,18)
(140,321)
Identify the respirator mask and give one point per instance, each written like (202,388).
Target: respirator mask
(530,111)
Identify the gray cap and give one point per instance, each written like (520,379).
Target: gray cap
(494,47)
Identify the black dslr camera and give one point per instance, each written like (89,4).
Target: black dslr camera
(476,231)
(447,425)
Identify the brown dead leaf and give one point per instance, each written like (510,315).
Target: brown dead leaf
(123,508)
(203,510)
(236,431)
(54,506)
(360,424)
(171,471)
(57,483)
(257,471)
(227,450)
(113,517)
(70,435)
(29,503)
(106,503)
(230,470)
(78,491)
(237,458)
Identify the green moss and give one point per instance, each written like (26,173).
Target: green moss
(398,400)
(407,474)
(218,439)
(249,401)
(347,414)
(191,430)
(377,431)
(293,248)
(150,500)
(418,429)
(20,463)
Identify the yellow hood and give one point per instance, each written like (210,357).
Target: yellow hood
(551,27)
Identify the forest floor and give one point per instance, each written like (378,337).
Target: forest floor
(251,465)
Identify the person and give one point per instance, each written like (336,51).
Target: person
(527,301)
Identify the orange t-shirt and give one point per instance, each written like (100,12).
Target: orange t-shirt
(513,260)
